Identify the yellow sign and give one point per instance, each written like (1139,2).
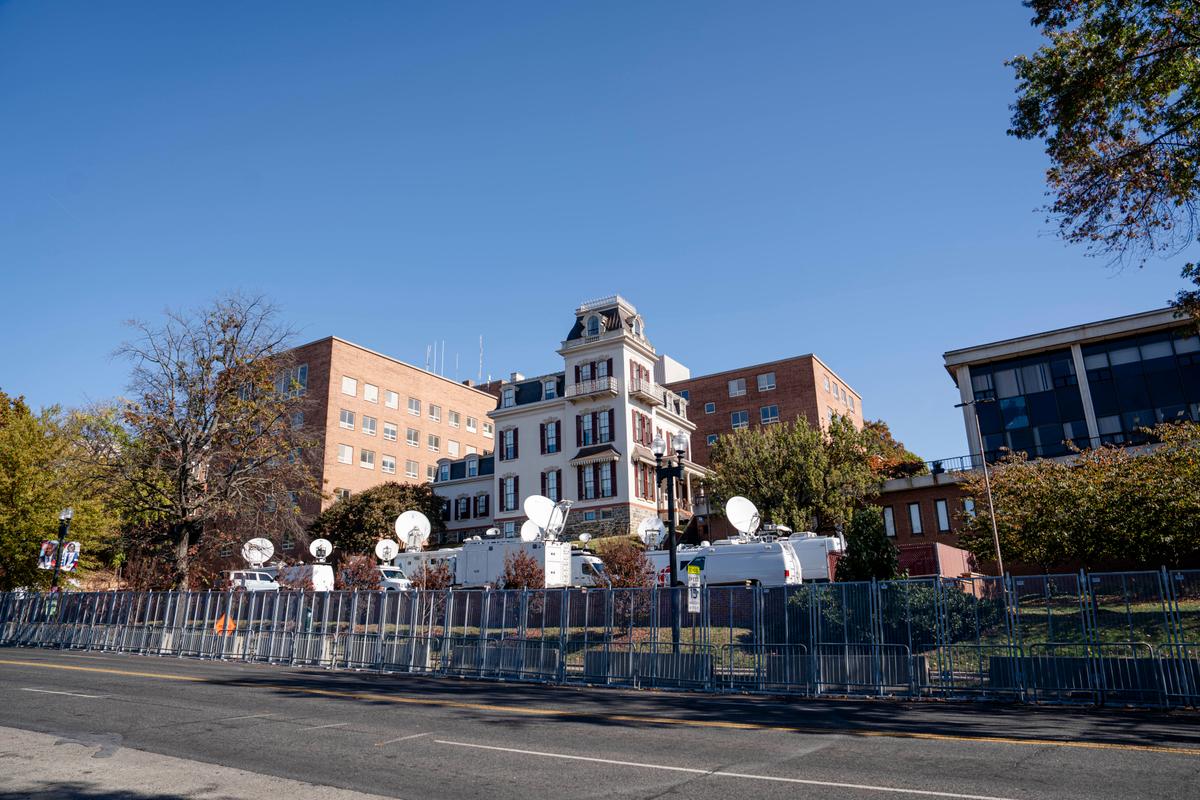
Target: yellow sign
(693,570)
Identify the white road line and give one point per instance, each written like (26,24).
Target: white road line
(247,716)
(401,739)
(724,774)
(330,725)
(68,694)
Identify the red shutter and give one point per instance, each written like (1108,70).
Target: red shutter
(543,483)
(612,474)
(610,372)
(595,426)
(637,436)
(516,442)
(516,493)
(612,424)
(577,373)
(578,430)
(579,478)
(558,481)
(542,437)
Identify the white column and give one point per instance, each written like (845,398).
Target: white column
(1085,392)
(966,395)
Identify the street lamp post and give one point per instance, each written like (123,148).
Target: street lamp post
(671,472)
(64,526)
(987,481)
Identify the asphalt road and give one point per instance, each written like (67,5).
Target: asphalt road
(413,737)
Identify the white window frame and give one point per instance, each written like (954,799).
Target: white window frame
(914,519)
(508,397)
(710,407)
(391,399)
(768,420)
(414,406)
(434,443)
(369,425)
(472,425)
(452,448)
(453,418)
(411,468)
(413,437)
(737,387)
(472,467)
(387,464)
(350,384)
(733,419)
(489,430)
(771,384)
(889,521)
(346,419)
(366,459)
(712,439)
(390,431)
(370,393)
(550,389)
(345,454)
(553,490)
(943,515)
(435,412)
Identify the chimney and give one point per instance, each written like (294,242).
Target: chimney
(516,376)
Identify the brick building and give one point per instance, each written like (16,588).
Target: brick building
(763,394)
(377,419)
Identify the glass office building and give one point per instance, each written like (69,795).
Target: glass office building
(1101,382)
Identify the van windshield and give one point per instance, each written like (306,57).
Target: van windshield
(590,568)
(392,572)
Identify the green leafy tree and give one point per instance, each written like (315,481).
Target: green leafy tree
(354,524)
(870,554)
(1112,93)
(797,475)
(1108,507)
(207,439)
(41,472)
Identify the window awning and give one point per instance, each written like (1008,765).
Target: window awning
(596,454)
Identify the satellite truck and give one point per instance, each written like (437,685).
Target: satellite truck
(766,559)
(482,560)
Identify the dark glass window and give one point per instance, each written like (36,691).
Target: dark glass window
(1037,403)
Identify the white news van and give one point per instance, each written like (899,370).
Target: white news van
(587,569)
(411,563)
(481,562)
(731,562)
(812,553)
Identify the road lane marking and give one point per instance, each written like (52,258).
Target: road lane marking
(569,714)
(401,739)
(718,773)
(68,694)
(231,719)
(330,725)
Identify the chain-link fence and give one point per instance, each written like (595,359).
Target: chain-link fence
(1127,638)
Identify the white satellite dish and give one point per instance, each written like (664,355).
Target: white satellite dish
(386,549)
(742,514)
(413,529)
(652,532)
(539,509)
(585,537)
(530,531)
(490,533)
(320,549)
(258,551)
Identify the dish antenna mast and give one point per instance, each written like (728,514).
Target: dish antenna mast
(412,528)
(549,517)
(652,532)
(258,552)
(743,515)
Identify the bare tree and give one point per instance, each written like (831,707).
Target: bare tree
(210,437)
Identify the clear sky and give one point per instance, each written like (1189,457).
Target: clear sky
(760,179)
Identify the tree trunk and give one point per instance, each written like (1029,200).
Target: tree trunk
(183,534)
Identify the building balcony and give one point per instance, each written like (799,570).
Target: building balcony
(647,391)
(591,389)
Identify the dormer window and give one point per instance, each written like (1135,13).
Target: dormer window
(508,398)
(550,389)
(472,467)
(637,327)
(593,325)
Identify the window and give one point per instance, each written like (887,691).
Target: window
(914,518)
(482,505)
(435,412)
(589,516)
(606,513)
(508,489)
(414,406)
(589,483)
(366,459)
(509,530)
(550,437)
(413,437)
(508,397)
(740,419)
(389,431)
(370,393)
(685,394)
(368,425)
(943,515)
(830,413)
(297,420)
(711,439)
(768,414)
(391,399)
(345,454)
(453,418)
(346,419)
(585,371)
(549,389)
(737,387)
(435,442)
(550,487)
(462,508)
(293,382)
(452,448)
(443,472)
(430,472)
(508,444)
(606,480)
(850,401)
(472,467)
(889,521)
(349,386)
(471,424)
(410,468)
(710,408)
(470,450)
(586,438)
(827,383)
(605,427)
(341,494)
(388,464)
(766,381)
(593,326)
(489,430)
(969,506)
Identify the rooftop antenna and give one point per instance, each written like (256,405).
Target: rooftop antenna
(456,366)
(442,371)
(480,376)
(427,358)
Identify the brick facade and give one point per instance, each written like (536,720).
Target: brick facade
(925,491)
(803,386)
(330,360)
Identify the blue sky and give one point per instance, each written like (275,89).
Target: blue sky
(760,179)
